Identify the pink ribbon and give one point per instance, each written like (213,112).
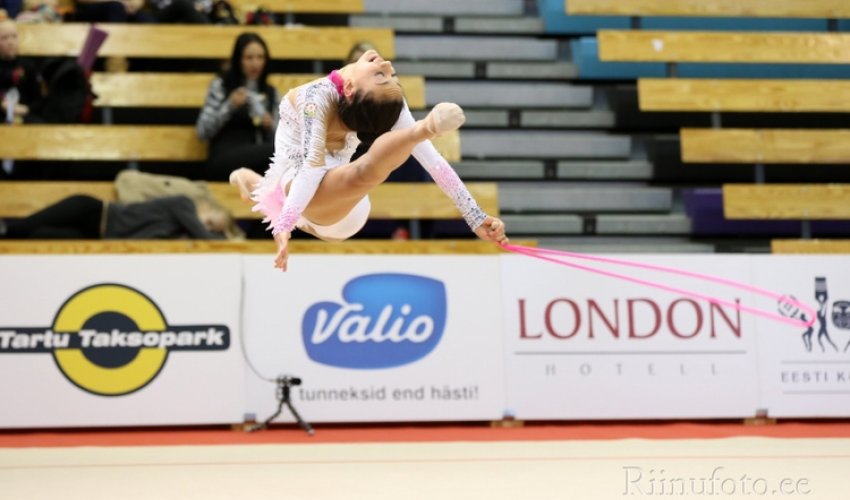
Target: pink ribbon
(545,254)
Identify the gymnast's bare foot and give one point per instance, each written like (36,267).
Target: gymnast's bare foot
(444,117)
(246,180)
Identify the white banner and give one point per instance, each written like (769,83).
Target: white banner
(805,372)
(108,340)
(584,346)
(376,338)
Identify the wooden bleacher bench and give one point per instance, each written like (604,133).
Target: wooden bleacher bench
(132,143)
(728,47)
(188,90)
(765,146)
(810,246)
(753,95)
(303,6)
(826,9)
(102,142)
(389,200)
(787,201)
(200,41)
(268,247)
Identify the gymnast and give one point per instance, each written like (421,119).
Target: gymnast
(310,183)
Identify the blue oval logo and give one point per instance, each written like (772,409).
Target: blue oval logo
(385,320)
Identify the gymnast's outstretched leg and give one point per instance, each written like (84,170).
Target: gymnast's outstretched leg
(342,188)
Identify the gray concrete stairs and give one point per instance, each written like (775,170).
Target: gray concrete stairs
(565,177)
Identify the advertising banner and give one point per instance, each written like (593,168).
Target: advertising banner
(580,345)
(108,340)
(376,338)
(805,371)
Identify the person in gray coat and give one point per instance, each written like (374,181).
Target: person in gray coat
(86,217)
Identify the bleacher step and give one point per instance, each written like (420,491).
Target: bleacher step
(532,70)
(499,169)
(519,197)
(567,119)
(542,144)
(513,94)
(495,70)
(504,118)
(539,224)
(629,170)
(623,170)
(475,48)
(460,24)
(619,245)
(649,224)
(446,7)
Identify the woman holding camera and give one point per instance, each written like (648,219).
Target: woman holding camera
(240,116)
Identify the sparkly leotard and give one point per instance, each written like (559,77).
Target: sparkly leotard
(301,157)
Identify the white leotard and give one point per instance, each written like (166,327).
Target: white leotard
(301,157)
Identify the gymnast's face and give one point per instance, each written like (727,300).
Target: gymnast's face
(373,75)
(8,40)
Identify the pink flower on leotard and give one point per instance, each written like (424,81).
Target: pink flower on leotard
(310,110)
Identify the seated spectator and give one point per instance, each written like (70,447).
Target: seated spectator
(40,11)
(10,8)
(20,82)
(111,11)
(183,11)
(86,217)
(240,112)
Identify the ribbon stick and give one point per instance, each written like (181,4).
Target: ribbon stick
(546,255)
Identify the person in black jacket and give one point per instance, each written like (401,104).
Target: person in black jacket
(20,82)
(86,217)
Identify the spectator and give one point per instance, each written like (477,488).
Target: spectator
(183,11)
(9,9)
(40,11)
(86,217)
(20,82)
(111,11)
(240,115)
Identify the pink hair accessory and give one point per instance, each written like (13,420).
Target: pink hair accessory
(336,78)
(546,254)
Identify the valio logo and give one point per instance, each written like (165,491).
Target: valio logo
(384,320)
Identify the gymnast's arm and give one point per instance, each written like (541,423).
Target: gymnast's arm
(313,114)
(485,227)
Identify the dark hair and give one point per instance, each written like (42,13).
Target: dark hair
(233,76)
(367,116)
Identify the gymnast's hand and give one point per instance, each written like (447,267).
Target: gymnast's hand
(282,256)
(492,229)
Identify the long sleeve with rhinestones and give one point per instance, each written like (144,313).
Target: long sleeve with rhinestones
(313,105)
(443,174)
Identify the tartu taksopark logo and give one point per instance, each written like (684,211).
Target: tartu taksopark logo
(111,340)
(384,320)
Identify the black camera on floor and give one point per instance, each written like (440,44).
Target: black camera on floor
(288,380)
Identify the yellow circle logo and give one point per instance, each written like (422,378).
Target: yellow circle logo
(100,378)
